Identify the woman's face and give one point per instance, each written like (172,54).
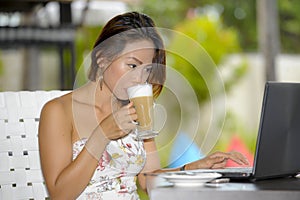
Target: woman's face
(130,68)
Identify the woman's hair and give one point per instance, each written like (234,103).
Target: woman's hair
(124,29)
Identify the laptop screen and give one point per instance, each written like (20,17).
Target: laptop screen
(278,143)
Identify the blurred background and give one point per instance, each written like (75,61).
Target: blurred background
(44,43)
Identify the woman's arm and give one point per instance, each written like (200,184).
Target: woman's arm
(65,178)
(215,160)
(152,162)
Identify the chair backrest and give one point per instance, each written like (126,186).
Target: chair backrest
(20,171)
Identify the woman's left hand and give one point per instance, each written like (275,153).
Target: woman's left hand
(218,160)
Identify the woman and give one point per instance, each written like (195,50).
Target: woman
(87,146)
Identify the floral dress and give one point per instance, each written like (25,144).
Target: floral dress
(115,175)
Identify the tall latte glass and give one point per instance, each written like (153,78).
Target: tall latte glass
(142,97)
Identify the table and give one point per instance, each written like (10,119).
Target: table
(281,189)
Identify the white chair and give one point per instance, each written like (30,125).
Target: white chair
(20,170)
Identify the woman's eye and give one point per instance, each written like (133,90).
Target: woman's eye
(132,65)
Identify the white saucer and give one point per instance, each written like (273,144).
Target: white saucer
(188,179)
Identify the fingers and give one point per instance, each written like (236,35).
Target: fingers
(234,156)
(239,158)
(120,123)
(125,118)
(219,165)
(132,112)
(130,115)
(217,162)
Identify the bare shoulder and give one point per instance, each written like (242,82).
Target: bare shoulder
(59,105)
(57,113)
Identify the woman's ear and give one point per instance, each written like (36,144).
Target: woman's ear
(100,62)
(101,69)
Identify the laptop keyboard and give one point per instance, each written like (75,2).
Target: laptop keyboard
(227,170)
(237,169)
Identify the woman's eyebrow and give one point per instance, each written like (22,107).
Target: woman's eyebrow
(136,59)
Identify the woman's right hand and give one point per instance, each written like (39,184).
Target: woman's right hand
(119,123)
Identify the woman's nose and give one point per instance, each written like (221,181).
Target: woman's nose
(145,72)
(140,75)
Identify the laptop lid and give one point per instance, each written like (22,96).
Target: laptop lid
(278,141)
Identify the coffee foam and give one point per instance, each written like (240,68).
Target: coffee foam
(140,90)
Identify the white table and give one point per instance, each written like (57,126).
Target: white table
(275,189)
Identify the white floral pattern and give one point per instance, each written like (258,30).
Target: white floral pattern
(115,176)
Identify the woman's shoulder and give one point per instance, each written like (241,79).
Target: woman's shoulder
(60,104)
(55,116)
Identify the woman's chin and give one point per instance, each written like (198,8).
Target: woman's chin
(122,97)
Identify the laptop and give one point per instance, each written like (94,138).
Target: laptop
(278,140)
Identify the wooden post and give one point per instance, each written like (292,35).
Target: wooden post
(31,76)
(268,35)
(31,58)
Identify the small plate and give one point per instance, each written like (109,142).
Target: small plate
(187,179)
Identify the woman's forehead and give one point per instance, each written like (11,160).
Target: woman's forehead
(138,46)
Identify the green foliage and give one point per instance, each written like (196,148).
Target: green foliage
(238,14)
(143,195)
(166,13)
(242,15)
(217,41)
(211,34)
(1,66)
(85,39)
(289,25)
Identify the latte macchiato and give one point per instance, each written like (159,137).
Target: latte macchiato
(142,97)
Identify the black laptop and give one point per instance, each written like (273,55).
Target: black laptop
(277,151)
